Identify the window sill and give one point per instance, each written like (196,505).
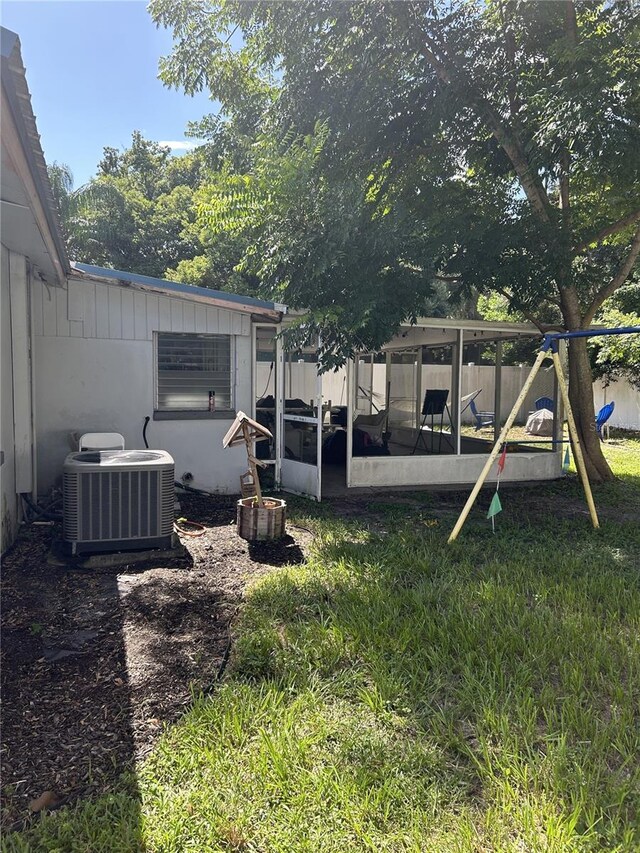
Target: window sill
(185,415)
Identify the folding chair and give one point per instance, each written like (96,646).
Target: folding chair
(603,416)
(483,419)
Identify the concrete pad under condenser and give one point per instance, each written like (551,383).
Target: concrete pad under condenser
(58,557)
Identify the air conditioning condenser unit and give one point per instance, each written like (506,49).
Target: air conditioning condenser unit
(115,500)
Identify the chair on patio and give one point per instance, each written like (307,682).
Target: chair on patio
(465,402)
(374,425)
(483,419)
(543,403)
(603,416)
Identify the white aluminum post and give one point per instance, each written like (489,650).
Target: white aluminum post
(279,411)
(351,399)
(497,391)
(458,351)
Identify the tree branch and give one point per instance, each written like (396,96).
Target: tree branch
(617,281)
(607,231)
(543,327)
(453,277)
(503,133)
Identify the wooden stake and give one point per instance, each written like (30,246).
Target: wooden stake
(577,449)
(496,448)
(252,462)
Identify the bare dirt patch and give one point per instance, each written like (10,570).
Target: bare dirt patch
(96,662)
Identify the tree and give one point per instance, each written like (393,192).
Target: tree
(138,213)
(508,131)
(319,242)
(614,357)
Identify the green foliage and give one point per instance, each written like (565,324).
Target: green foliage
(321,242)
(139,214)
(446,131)
(617,357)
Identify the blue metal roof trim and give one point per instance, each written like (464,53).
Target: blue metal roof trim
(180,288)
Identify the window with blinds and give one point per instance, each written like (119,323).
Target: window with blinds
(192,371)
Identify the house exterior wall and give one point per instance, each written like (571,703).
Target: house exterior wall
(95,368)
(7,443)
(16,426)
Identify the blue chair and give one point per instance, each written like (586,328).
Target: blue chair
(483,419)
(544,403)
(603,416)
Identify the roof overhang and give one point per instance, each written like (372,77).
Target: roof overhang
(30,221)
(442,332)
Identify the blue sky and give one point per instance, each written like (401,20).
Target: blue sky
(92,70)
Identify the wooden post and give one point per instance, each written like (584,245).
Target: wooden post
(496,448)
(577,449)
(252,462)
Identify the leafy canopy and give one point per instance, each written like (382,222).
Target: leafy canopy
(139,213)
(371,145)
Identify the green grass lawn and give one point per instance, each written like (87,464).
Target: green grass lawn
(398,694)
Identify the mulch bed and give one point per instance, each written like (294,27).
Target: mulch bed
(96,662)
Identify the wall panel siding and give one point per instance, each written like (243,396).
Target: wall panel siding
(62,312)
(105,311)
(37,288)
(90,311)
(164,319)
(201,320)
(128,328)
(213,323)
(10,510)
(140,316)
(189,317)
(50,325)
(114,324)
(69,369)
(177,324)
(236,324)
(21,368)
(153,315)
(75,299)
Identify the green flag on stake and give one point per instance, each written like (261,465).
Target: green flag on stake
(567,459)
(495,507)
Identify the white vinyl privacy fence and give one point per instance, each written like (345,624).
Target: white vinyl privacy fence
(300,383)
(626,414)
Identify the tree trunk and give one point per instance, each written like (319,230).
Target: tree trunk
(581,396)
(581,388)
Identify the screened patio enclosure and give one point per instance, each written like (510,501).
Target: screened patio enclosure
(423,411)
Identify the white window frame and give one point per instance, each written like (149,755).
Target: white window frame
(195,414)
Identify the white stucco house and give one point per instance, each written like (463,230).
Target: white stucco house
(32,248)
(113,349)
(87,349)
